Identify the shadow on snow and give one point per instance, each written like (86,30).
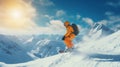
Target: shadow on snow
(105,57)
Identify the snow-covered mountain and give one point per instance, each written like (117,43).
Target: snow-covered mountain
(33,46)
(99,30)
(100,53)
(11,52)
(46,45)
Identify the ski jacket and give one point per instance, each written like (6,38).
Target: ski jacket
(69,31)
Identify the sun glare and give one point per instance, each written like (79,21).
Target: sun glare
(16,14)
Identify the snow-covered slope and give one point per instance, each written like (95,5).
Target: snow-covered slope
(45,48)
(46,45)
(11,52)
(35,46)
(101,53)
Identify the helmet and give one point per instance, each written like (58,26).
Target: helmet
(66,23)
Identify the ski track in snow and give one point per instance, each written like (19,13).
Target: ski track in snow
(59,60)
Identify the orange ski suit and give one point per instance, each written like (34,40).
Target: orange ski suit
(69,36)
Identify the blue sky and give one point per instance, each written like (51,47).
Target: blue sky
(75,10)
(48,16)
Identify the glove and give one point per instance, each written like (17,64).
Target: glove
(63,38)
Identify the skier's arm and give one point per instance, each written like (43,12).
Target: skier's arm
(69,31)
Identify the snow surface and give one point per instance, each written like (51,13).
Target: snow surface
(97,53)
(11,52)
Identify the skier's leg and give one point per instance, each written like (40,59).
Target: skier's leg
(72,36)
(68,43)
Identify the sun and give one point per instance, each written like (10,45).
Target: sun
(16,14)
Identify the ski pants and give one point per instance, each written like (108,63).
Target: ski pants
(68,41)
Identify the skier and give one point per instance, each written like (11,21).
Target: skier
(69,36)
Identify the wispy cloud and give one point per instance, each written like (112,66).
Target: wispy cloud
(78,16)
(104,22)
(109,13)
(49,17)
(88,20)
(46,3)
(60,13)
(113,20)
(53,27)
(114,4)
